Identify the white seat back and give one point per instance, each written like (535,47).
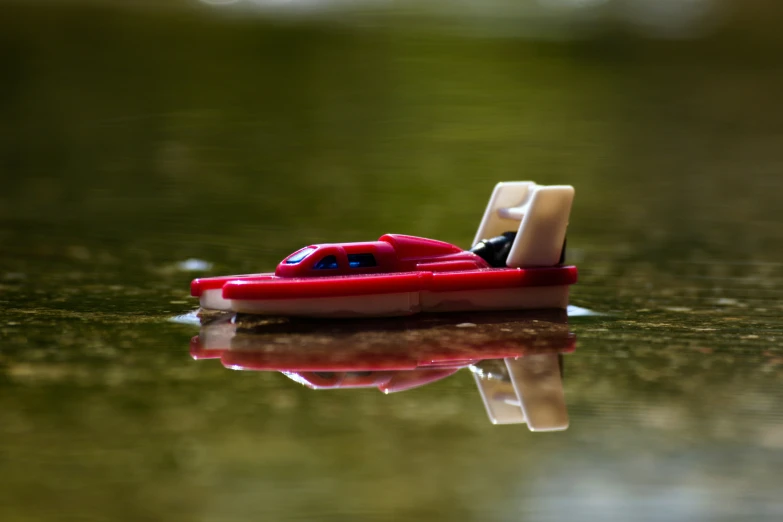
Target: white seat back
(538,213)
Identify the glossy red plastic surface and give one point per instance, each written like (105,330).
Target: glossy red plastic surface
(200,285)
(412,247)
(393,254)
(451,266)
(284,288)
(403,264)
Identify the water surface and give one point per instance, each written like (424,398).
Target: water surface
(132,141)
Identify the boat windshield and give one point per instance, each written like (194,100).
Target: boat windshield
(297,257)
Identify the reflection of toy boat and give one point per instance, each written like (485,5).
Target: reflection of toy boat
(515,358)
(402,275)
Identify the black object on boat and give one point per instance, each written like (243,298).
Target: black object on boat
(495,250)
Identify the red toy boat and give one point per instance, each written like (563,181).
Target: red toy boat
(403,275)
(515,358)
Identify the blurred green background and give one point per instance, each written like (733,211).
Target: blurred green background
(136,136)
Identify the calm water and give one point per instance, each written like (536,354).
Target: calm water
(132,141)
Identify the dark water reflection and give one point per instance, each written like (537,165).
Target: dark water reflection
(134,140)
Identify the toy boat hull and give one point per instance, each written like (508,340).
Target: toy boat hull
(408,303)
(389,294)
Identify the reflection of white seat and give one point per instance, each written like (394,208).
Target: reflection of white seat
(539,387)
(532,394)
(538,213)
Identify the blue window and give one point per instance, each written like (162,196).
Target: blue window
(327,263)
(361,260)
(298,256)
